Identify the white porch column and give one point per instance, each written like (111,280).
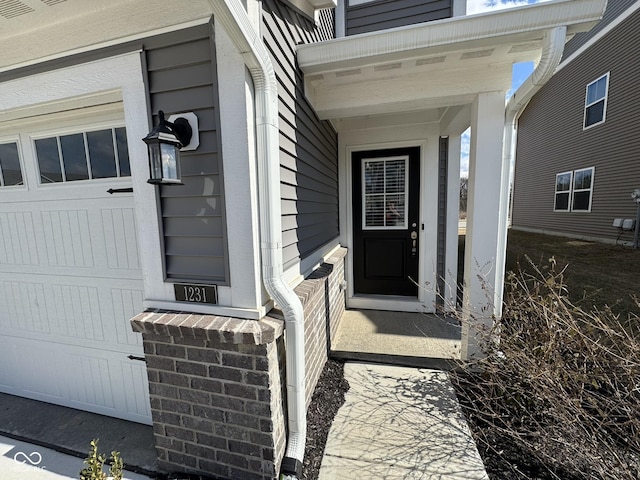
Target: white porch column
(482,287)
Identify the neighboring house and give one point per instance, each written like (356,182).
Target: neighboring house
(578,144)
(325,174)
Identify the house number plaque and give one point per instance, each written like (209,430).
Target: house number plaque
(196,293)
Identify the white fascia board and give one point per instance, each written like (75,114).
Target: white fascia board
(508,26)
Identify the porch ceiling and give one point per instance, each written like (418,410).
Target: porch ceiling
(433,65)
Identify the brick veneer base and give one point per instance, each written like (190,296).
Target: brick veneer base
(217,384)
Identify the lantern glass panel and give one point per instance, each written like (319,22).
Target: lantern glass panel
(170,162)
(155,161)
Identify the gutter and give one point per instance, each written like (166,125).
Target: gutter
(552,50)
(233,17)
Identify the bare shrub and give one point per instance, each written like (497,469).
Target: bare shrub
(562,386)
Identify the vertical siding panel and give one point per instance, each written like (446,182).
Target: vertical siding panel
(443,175)
(383,14)
(551,140)
(308,156)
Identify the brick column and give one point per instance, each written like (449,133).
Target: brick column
(216,386)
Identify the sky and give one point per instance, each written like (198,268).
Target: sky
(520,70)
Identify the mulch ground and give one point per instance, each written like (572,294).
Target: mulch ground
(327,399)
(503,460)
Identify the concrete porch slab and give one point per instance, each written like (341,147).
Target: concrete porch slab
(400,423)
(407,338)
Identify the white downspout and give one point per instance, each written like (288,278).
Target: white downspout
(232,15)
(552,49)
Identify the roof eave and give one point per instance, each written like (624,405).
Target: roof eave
(514,25)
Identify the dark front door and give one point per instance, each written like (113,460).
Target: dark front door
(386,197)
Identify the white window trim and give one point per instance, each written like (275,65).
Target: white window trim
(556,192)
(572,190)
(590,189)
(587,105)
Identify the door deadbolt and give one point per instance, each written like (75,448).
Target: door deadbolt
(414,235)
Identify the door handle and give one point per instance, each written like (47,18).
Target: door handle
(414,237)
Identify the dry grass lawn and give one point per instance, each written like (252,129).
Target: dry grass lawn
(597,274)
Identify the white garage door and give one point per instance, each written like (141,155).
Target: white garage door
(70,277)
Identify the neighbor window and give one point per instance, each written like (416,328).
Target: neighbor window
(582,188)
(574,190)
(83,156)
(595,104)
(10,171)
(563,191)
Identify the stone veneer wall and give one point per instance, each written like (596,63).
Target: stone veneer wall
(217,384)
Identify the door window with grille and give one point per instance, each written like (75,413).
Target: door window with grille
(384,199)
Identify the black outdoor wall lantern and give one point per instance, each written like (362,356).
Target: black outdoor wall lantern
(165,142)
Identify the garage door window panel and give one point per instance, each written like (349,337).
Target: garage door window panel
(102,154)
(83,156)
(74,157)
(122,150)
(10,171)
(49,160)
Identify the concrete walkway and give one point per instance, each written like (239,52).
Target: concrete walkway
(400,423)
(20,461)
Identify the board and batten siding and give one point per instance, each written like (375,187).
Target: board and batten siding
(551,140)
(383,14)
(182,78)
(443,176)
(308,146)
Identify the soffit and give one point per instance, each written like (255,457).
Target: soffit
(36,30)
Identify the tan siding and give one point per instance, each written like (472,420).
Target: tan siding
(551,140)
(614,8)
(308,146)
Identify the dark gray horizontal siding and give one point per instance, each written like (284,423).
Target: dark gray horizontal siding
(383,14)
(614,9)
(551,140)
(182,77)
(308,146)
